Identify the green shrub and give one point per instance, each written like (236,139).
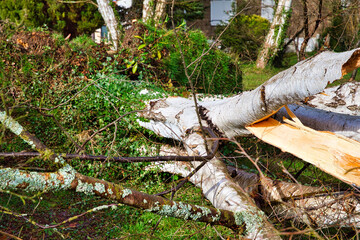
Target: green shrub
(75,19)
(216,72)
(245,35)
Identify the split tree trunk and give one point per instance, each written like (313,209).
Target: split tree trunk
(276,33)
(176,118)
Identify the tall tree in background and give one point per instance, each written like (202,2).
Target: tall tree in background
(309,33)
(111,22)
(276,33)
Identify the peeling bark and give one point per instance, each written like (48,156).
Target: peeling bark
(340,99)
(231,115)
(176,117)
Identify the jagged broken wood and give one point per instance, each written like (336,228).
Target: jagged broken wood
(176,117)
(315,206)
(334,154)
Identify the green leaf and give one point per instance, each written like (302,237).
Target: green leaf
(135,68)
(141,46)
(137,36)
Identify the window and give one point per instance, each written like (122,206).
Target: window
(220,11)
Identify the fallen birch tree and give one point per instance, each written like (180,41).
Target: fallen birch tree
(235,194)
(250,112)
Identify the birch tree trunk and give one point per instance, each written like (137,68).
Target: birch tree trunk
(108,15)
(160,11)
(152,12)
(147,11)
(176,118)
(276,33)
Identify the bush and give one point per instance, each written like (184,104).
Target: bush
(245,35)
(75,19)
(216,72)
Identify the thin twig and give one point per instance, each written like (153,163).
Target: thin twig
(125,159)
(107,126)
(10,235)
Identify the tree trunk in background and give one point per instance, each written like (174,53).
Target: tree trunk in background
(108,15)
(147,11)
(309,34)
(160,11)
(154,13)
(276,33)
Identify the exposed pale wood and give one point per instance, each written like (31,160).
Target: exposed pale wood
(334,154)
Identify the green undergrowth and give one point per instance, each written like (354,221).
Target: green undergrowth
(120,222)
(65,91)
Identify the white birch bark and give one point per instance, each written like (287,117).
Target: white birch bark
(340,99)
(275,33)
(314,206)
(303,80)
(108,15)
(147,11)
(176,117)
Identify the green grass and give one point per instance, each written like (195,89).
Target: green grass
(253,77)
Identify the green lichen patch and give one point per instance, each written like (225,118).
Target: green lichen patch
(181,210)
(68,174)
(126,192)
(252,219)
(10,123)
(84,187)
(13,179)
(59,159)
(100,187)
